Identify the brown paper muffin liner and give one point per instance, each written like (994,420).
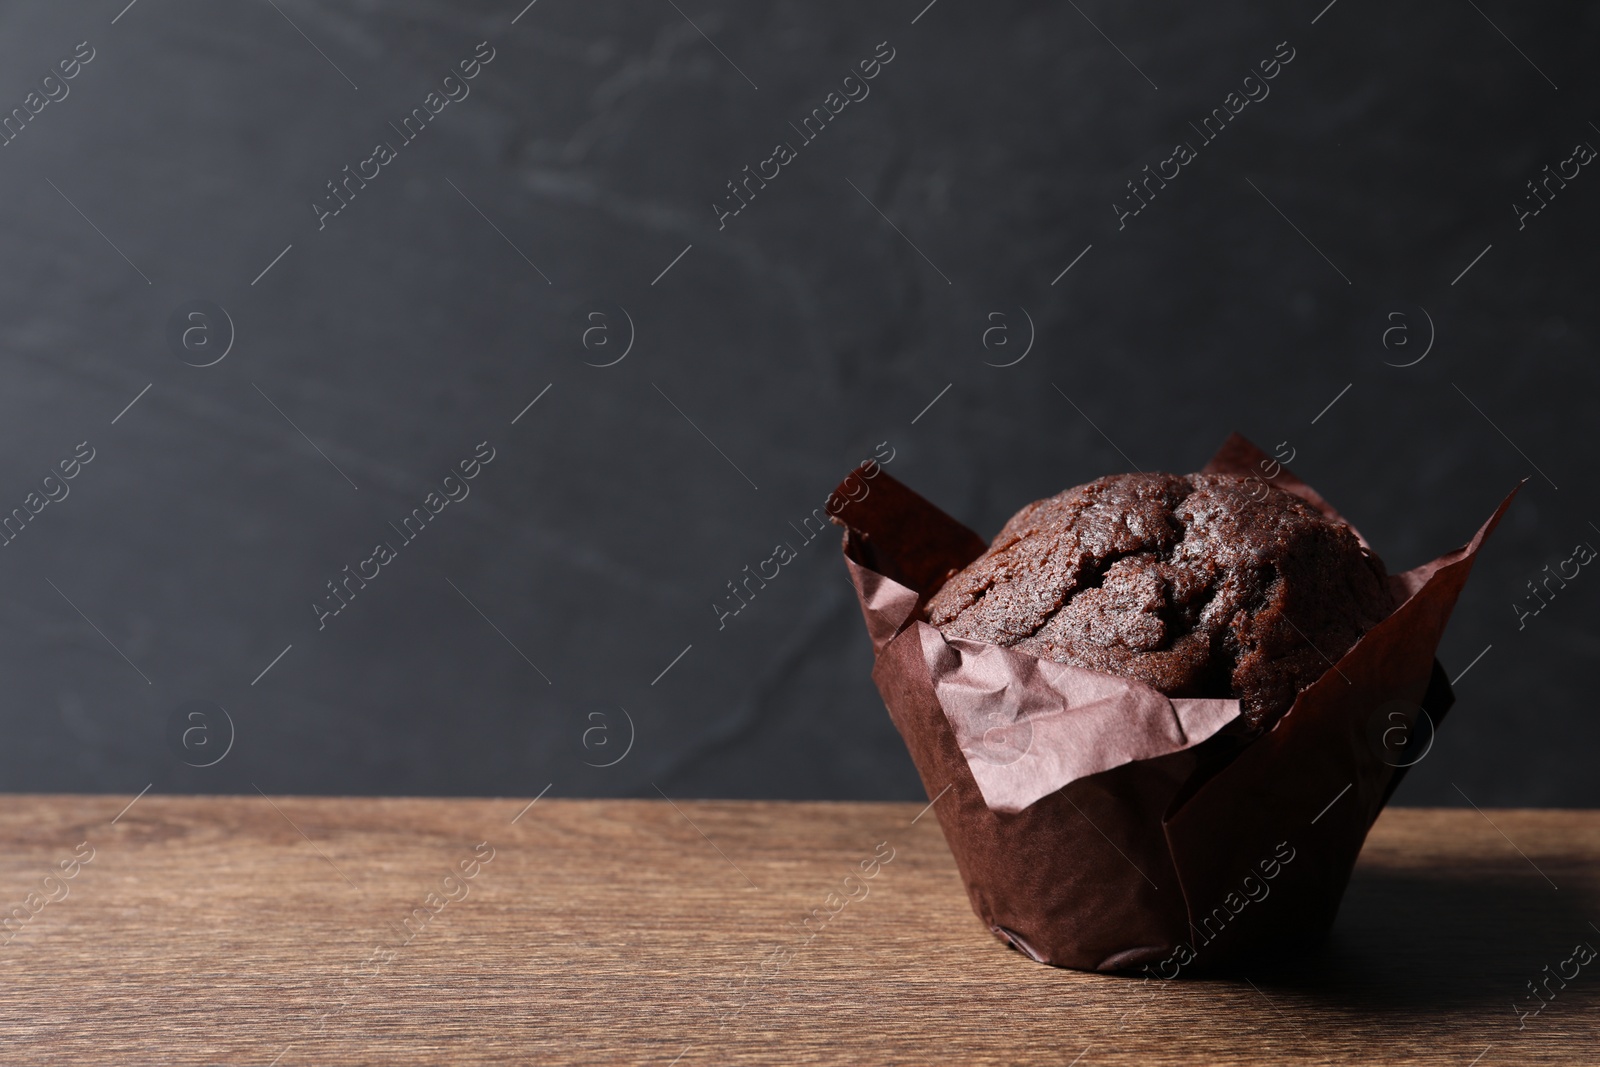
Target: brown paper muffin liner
(1102,826)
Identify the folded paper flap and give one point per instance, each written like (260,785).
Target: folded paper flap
(1029,726)
(886,605)
(895,532)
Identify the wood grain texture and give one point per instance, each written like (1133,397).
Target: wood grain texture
(244,930)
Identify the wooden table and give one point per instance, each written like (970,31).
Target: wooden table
(293,930)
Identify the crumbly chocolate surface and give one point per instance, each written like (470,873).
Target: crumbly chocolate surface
(1201,585)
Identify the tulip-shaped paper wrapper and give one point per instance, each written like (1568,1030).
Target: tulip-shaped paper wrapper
(1103,826)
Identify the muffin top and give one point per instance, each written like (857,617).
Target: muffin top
(1204,585)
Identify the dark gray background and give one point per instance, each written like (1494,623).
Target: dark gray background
(796,339)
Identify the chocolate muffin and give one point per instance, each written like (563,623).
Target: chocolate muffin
(1204,585)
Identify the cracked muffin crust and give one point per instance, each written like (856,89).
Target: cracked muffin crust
(1200,585)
